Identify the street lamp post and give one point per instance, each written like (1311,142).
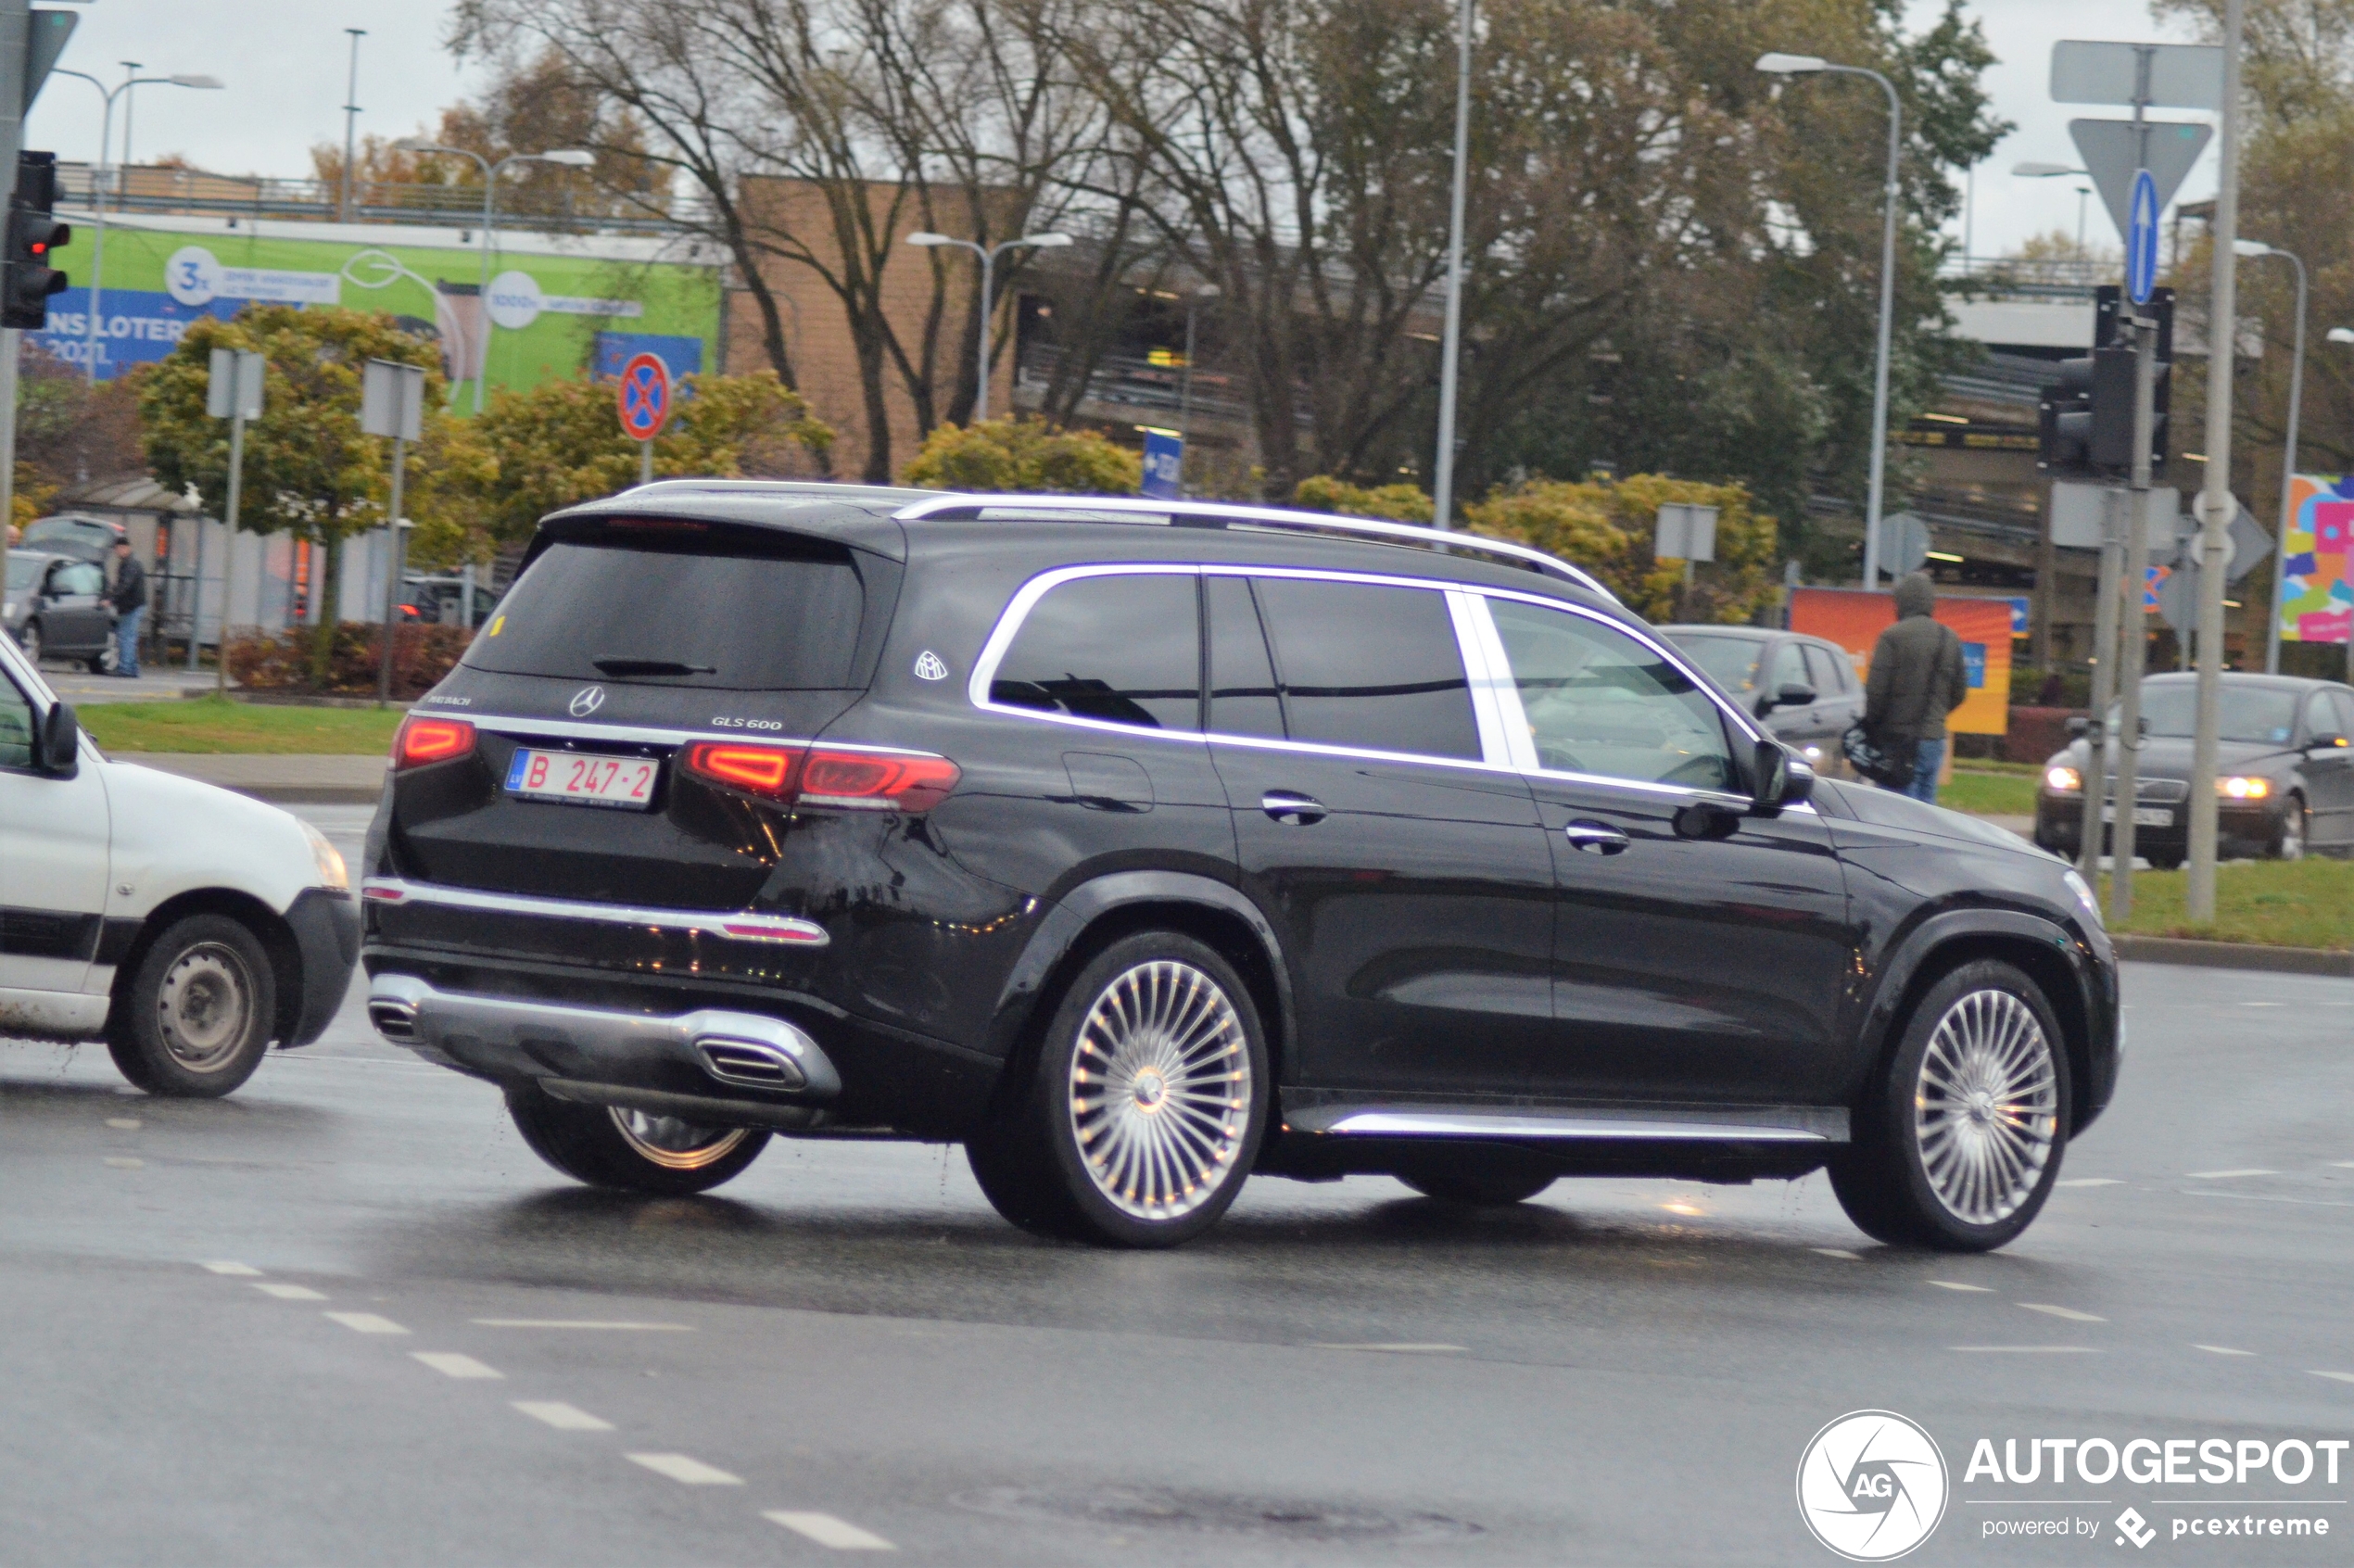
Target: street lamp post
(351,126)
(99,190)
(2035,171)
(1450,346)
(1780,63)
(988,255)
(1201,295)
(2253,248)
(568,158)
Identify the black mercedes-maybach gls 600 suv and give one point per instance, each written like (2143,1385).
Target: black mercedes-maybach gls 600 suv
(1140,846)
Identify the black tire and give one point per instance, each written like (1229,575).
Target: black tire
(1057,1163)
(1479,1178)
(2166,862)
(2002,1064)
(196,1017)
(630,1152)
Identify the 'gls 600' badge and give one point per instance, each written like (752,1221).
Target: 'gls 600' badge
(930,667)
(1872,1485)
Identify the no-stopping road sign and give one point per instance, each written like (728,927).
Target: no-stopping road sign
(643,397)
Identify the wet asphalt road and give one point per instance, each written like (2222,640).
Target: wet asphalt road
(344,1318)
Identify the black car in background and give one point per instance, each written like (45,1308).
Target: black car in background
(56,607)
(1803,689)
(2284,776)
(1141,846)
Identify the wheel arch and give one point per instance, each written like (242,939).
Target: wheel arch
(268,925)
(1098,913)
(2045,951)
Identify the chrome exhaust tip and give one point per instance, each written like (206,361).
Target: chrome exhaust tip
(752,1063)
(394,1020)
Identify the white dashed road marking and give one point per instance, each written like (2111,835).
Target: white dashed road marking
(575,1324)
(2029,1349)
(2090,1181)
(120,1164)
(1398,1349)
(828,1531)
(124,1123)
(685,1471)
(2227,1175)
(364,1322)
(562,1416)
(290,1293)
(450,1363)
(2336,1377)
(1838,1252)
(231,1268)
(2221,1350)
(1957,1285)
(2070,1313)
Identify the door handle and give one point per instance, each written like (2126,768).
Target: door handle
(1594,838)
(1286,806)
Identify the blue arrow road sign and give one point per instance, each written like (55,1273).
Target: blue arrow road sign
(2141,240)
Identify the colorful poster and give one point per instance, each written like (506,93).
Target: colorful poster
(1854,619)
(2317,590)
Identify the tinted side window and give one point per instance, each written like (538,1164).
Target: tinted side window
(1370,666)
(1598,701)
(1243,699)
(2345,713)
(1123,648)
(1790,667)
(1823,666)
(16,726)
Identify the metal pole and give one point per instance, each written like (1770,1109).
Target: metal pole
(1887,322)
(392,573)
(129,70)
(2289,475)
(1450,347)
(2096,765)
(350,124)
(2134,643)
(2216,506)
(9,339)
(482,294)
(646,462)
(1185,394)
(196,592)
(981,391)
(236,489)
(99,240)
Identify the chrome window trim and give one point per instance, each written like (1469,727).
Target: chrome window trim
(1025,599)
(1104,508)
(1481,670)
(791,931)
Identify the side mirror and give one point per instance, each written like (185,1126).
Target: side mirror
(2078,726)
(1794,695)
(61,743)
(1782,778)
(2325,743)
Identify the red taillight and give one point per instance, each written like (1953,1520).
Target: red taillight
(759,770)
(423,741)
(875,782)
(866,779)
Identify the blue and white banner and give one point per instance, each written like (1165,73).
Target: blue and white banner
(135,327)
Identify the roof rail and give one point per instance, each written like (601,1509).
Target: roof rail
(1113,509)
(815,488)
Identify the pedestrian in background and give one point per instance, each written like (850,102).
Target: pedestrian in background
(130,599)
(1918,678)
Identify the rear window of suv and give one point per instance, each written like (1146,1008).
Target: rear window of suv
(717,611)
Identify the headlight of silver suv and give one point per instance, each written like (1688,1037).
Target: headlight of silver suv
(329,859)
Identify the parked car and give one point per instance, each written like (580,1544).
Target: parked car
(75,534)
(1139,858)
(1802,689)
(57,608)
(187,926)
(2285,777)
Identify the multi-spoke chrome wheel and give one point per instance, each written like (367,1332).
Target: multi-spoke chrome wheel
(674,1144)
(1986,1106)
(1160,1089)
(204,1007)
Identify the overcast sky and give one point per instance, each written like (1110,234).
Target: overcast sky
(284,62)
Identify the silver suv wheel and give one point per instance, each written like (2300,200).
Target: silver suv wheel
(1160,1089)
(674,1144)
(1986,1106)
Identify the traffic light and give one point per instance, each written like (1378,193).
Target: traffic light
(34,235)
(2085,425)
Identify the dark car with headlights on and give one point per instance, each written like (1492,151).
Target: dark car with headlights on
(1803,689)
(2283,776)
(1142,846)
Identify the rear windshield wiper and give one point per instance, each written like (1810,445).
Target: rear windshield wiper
(614,664)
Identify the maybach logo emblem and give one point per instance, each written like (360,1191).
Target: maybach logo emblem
(1872,1485)
(586,701)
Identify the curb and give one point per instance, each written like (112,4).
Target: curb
(306,795)
(293,700)
(2234,955)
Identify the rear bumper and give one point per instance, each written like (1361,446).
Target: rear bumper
(710,1064)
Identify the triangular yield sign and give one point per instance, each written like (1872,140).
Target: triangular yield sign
(2112,151)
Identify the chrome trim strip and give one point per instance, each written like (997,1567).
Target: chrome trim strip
(1432,1124)
(511,725)
(1483,672)
(1306,521)
(789,930)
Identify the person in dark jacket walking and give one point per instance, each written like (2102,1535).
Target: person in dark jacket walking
(1918,678)
(130,599)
